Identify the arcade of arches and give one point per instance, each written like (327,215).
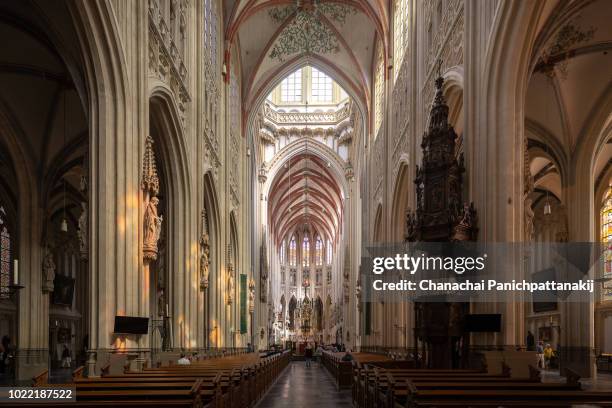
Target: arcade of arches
(219,166)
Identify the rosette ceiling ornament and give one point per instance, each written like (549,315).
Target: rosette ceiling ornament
(307,31)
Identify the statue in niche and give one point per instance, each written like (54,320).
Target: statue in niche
(263,268)
(152,229)
(48,267)
(358,292)
(293,275)
(230,285)
(82,231)
(251,296)
(161,302)
(204,261)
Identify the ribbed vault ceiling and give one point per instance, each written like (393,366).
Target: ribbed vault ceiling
(305,193)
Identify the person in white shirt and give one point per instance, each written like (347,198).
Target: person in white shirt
(183,360)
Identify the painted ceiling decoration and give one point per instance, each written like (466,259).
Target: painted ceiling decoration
(274,37)
(307,32)
(555,58)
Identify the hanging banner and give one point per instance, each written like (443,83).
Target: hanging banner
(243,304)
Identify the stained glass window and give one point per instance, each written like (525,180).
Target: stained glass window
(606,238)
(283,252)
(292,252)
(5,256)
(291,87)
(321,86)
(319,251)
(328,256)
(305,252)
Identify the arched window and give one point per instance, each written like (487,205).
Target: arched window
(321,86)
(291,87)
(283,252)
(328,256)
(305,252)
(319,252)
(5,256)
(379,90)
(400,33)
(292,252)
(606,238)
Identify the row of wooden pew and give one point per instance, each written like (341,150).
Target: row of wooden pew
(228,382)
(342,371)
(376,387)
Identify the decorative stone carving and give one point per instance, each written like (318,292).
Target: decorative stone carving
(82,231)
(150,179)
(346,275)
(230,284)
(152,229)
(263,269)
(527,201)
(204,253)
(48,270)
(251,295)
(150,186)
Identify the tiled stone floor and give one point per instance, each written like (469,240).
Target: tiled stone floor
(301,387)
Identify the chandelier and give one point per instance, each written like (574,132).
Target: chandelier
(307,32)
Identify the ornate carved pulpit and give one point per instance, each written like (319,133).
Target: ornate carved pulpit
(440,216)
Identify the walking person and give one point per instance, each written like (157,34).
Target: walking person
(540,354)
(308,354)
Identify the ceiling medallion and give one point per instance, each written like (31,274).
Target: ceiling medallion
(307,33)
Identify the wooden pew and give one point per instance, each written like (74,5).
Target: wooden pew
(236,381)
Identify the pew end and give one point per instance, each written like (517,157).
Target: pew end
(78,374)
(41,379)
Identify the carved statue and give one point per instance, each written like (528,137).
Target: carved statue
(161,302)
(82,231)
(48,268)
(263,268)
(358,293)
(204,261)
(468,216)
(411,226)
(251,296)
(230,285)
(152,229)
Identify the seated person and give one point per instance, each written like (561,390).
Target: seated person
(347,357)
(183,360)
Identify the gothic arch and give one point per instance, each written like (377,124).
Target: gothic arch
(401,202)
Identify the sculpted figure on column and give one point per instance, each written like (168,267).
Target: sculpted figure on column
(48,268)
(152,228)
(230,284)
(82,231)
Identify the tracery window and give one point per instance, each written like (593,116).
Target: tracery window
(328,257)
(210,33)
(293,252)
(5,256)
(283,252)
(291,87)
(379,87)
(305,252)
(321,86)
(400,34)
(606,238)
(319,252)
